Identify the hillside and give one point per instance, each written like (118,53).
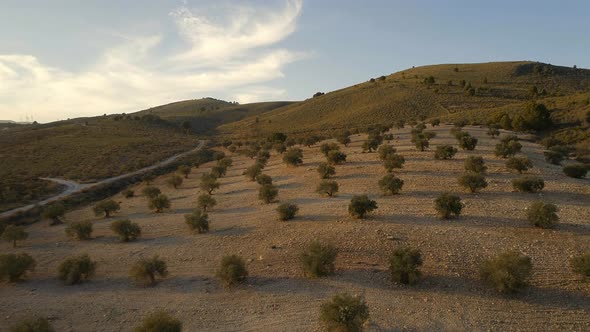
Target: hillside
(497,87)
(277,295)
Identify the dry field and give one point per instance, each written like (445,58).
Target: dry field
(277,297)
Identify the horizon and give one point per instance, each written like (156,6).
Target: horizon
(115,58)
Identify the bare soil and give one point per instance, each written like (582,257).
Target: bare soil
(277,297)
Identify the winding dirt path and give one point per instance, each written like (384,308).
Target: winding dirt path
(73,187)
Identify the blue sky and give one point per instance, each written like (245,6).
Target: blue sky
(62,59)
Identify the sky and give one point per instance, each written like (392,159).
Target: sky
(62,59)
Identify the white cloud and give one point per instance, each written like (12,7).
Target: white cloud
(234,59)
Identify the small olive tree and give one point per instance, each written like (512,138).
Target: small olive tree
(159,321)
(444,152)
(404,265)
(14,266)
(473,181)
(55,212)
(390,184)
(77,269)
(318,259)
(508,147)
(327,187)
(448,205)
(293,156)
(126,230)
(287,211)
(209,183)
(519,164)
(581,264)
(267,193)
(385,150)
(326,170)
(159,203)
(174,181)
(253,171)
(106,208)
(475,164)
(336,157)
(33,324)
(360,205)
(144,272)
(151,192)
(197,221)
(205,202)
(232,271)
(14,233)
(467,142)
(393,161)
(576,171)
(542,215)
(507,272)
(184,170)
(344,313)
(529,184)
(81,230)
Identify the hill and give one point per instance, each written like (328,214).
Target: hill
(436,91)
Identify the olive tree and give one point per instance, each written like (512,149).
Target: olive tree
(145,271)
(326,170)
(390,184)
(519,164)
(106,208)
(542,215)
(232,271)
(327,187)
(54,212)
(126,230)
(76,269)
(404,265)
(360,205)
(208,183)
(448,205)
(14,233)
(472,181)
(159,203)
(174,181)
(197,221)
(507,272)
(14,266)
(344,312)
(293,156)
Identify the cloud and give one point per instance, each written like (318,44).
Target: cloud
(233,55)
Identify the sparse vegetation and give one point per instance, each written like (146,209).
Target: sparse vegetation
(508,272)
(404,265)
(293,156)
(14,233)
(529,184)
(543,215)
(326,170)
(327,187)
(473,181)
(77,269)
(159,203)
(205,202)
(519,164)
(318,259)
(390,184)
(287,211)
(146,270)
(126,230)
(344,313)
(267,193)
(232,271)
(159,321)
(448,205)
(197,221)
(360,205)
(14,266)
(81,230)
(106,208)
(444,152)
(576,171)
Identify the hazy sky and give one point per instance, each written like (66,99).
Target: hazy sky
(61,59)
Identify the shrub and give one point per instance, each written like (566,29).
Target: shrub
(404,264)
(293,156)
(344,313)
(326,170)
(184,170)
(519,164)
(128,193)
(127,230)
(508,272)
(279,147)
(33,324)
(145,271)
(232,270)
(468,142)
(391,184)
(553,157)
(253,171)
(287,211)
(444,152)
(263,179)
(475,164)
(529,184)
(205,201)
(148,178)
(575,171)
(385,150)
(448,205)
(343,139)
(327,187)
(318,259)
(197,221)
(106,208)
(327,147)
(159,321)
(151,192)
(208,183)
(267,193)
(81,230)
(421,141)
(159,203)
(76,269)
(360,205)
(393,161)
(372,143)
(225,162)
(543,215)
(54,212)
(13,233)
(508,147)
(336,157)
(436,122)
(174,181)
(473,181)
(15,266)
(581,264)
(218,171)
(493,132)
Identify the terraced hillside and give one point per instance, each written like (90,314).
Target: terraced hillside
(410,94)
(278,297)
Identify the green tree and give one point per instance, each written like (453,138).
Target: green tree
(205,202)
(404,265)
(444,152)
(519,164)
(253,172)
(293,156)
(343,139)
(326,170)
(106,208)
(54,212)
(14,233)
(508,272)
(473,181)
(174,181)
(159,321)
(208,183)
(318,259)
(581,264)
(232,271)
(81,230)
(576,171)
(475,164)
(336,157)
(325,148)
(385,150)
(33,324)
(530,184)
(14,266)
(151,192)
(126,230)
(145,271)
(197,221)
(267,193)
(543,215)
(448,205)
(390,184)
(468,142)
(360,205)
(184,170)
(508,147)
(218,171)
(327,187)
(159,203)
(344,313)
(76,269)
(287,211)
(393,161)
